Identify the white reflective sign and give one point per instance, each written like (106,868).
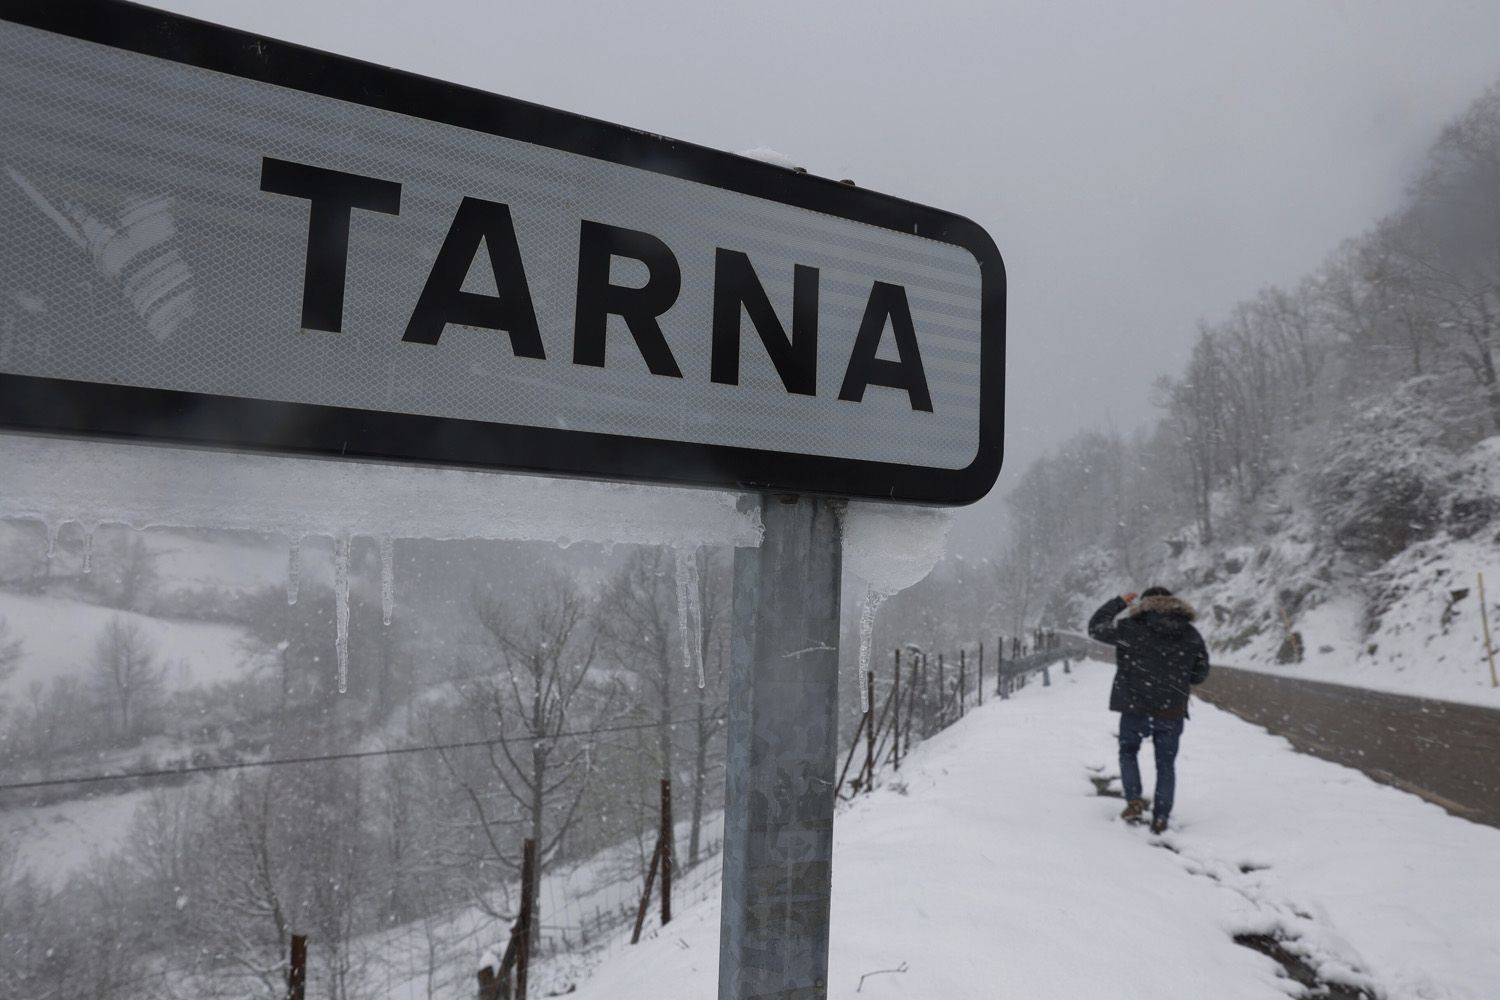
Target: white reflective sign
(220,239)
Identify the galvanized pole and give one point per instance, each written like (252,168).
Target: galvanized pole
(783,727)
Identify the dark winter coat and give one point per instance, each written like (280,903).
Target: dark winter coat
(1158,655)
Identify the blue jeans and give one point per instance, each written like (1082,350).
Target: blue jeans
(1164,734)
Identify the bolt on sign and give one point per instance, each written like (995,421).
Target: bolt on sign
(218,239)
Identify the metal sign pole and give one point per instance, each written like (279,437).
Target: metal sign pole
(783,727)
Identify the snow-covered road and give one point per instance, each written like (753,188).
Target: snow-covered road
(993,869)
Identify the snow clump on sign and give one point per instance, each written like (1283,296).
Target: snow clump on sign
(771,156)
(892,547)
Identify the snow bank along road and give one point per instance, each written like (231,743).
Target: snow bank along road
(990,867)
(1443,751)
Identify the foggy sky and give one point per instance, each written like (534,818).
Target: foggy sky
(1140,165)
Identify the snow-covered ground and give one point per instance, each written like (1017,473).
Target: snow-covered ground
(995,870)
(1413,656)
(437,958)
(59,637)
(184,561)
(53,841)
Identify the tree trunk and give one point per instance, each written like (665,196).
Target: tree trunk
(704,731)
(1491,387)
(1416,349)
(538,803)
(700,774)
(539,776)
(1205,505)
(664,738)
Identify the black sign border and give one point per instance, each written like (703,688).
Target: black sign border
(92,409)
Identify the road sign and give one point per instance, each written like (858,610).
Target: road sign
(219,239)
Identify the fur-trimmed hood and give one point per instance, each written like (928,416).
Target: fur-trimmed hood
(1164,606)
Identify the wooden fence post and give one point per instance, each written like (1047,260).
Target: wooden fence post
(942,713)
(896,722)
(881,733)
(494,983)
(296,972)
(667,836)
(870,732)
(864,720)
(640,913)
(980,686)
(921,694)
(911,701)
(491,986)
(1000,668)
(963,679)
(1489,649)
(528,896)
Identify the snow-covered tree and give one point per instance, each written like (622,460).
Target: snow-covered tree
(126,673)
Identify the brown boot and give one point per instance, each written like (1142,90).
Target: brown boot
(1159,825)
(1135,809)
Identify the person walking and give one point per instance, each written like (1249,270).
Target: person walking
(1159,655)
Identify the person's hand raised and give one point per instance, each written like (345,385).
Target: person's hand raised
(1130,597)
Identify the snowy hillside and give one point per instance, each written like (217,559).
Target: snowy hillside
(59,604)
(55,840)
(1411,627)
(1324,461)
(1378,600)
(60,635)
(1408,624)
(992,868)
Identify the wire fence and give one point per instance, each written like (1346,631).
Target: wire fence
(922,693)
(141,777)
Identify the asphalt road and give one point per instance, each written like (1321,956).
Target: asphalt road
(1447,753)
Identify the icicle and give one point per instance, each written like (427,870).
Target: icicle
(689,617)
(696,618)
(387,577)
(866,635)
(341,606)
(294,569)
(51,539)
(88,549)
